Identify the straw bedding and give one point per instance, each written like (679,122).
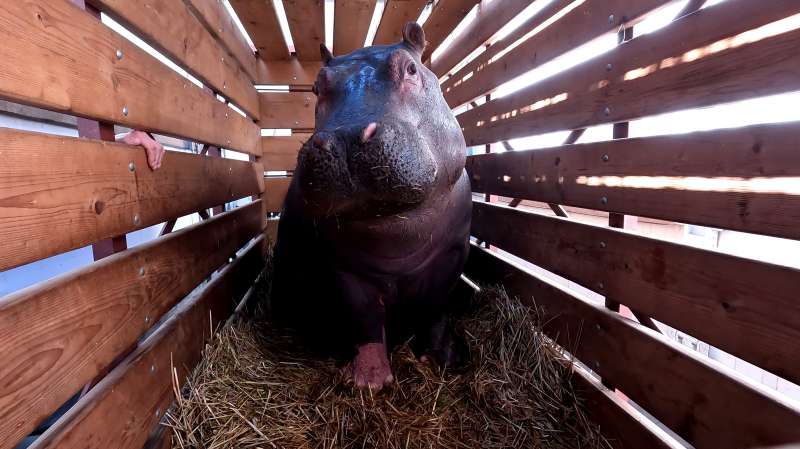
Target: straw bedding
(257,388)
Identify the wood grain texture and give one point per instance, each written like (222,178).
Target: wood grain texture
(351,23)
(395,15)
(139,390)
(445,16)
(577,27)
(220,24)
(687,393)
(58,57)
(86,189)
(307,24)
(738,305)
(289,72)
(57,335)
(171,27)
(280,153)
(728,179)
(293,110)
(261,22)
(275,193)
(490,18)
(654,74)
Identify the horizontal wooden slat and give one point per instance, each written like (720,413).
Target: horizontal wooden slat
(691,63)
(87,190)
(275,193)
(280,153)
(578,26)
(56,56)
(220,24)
(261,23)
(395,15)
(351,23)
(287,110)
(687,393)
(139,390)
(490,18)
(172,28)
(289,72)
(728,179)
(739,305)
(444,18)
(307,23)
(57,335)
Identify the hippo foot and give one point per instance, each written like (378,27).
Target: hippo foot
(443,348)
(370,367)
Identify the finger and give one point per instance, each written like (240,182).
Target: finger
(161,153)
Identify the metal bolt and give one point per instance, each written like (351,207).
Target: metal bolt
(605,158)
(224,85)
(158,413)
(226,115)
(222,59)
(141,271)
(296,122)
(611,18)
(131,167)
(604,200)
(294,78)
(125,111)
(152,368)
(609,67)
(601,285)
(597,326)
(603,245)
(607,110)
(597,364)
(147,319)
(119,54)
(136,220)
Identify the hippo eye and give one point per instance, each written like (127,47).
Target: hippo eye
(314,89)
(411,69)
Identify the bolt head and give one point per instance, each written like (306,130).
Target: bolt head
(609,67)
(603,245)
(604,200)
(605,158)
(152,368)
(136,220)
(141,271)
(125,111)
(131,167)
(119,54)
(607,110)
(597,326)
(601,285)
(611,18)
(158,413)
(147,319)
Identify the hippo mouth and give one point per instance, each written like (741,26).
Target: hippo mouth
(344,173)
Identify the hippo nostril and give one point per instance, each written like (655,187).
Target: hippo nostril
(321,142)
(369,132)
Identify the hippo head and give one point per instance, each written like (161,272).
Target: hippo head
(385,140)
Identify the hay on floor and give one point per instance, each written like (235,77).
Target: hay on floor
(256,389)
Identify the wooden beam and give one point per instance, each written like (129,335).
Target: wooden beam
(261,22)
(57,335)
(738,305)
(351,23)
(136,91)
(290,72)
(173,29)
(293,110)
(395,15)
(307,24)
(649,75)
(445,16)
(691,395)
(280,153)
(140,390)
(276,192)
(681,178)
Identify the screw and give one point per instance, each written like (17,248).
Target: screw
(136,220)
(141,271)
(605,158)
(131,167)
(603,245)
(158,413)
(597,364)
(601,285)
(597,326)
(125,111)
(224,85)
(294,78)
(607,110)
(152,368)
(611,18)
(296,122)
(609,67)
(147,319)
(604,200)
(226,115)
(119,54)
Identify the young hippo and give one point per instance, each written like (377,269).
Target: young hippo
(375,228)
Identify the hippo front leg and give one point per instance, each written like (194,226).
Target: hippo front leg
(365,303)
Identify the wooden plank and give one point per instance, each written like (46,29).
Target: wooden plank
(220,24)
(275,193)
(287,110)
(291,72)
(685,391)
(577,27)
(261,22)
(307,24)
(738,179)
(395,15)
(140,389)
(86,189)
(351,23)
(445,16)
(653,74)
(57,335)
(491,17)
(280,153)
(174,30)
(84,77)
(738,305)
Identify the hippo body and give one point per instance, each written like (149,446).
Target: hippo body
(374,231)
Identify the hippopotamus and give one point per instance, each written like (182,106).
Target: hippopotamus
(374,231)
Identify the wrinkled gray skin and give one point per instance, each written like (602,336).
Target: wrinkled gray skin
(374,231)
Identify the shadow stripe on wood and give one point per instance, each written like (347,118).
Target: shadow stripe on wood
(696,398)
(90,190)
(139,390)
(739,305)
(282,110)
(172,28)
(275,192)
(395,15)
(58,335)
(740,179)
(579,26)
(280,153)
(84,77)
(444,18)
(694,62)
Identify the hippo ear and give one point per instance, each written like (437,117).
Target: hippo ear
(325,54)
(414,37)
